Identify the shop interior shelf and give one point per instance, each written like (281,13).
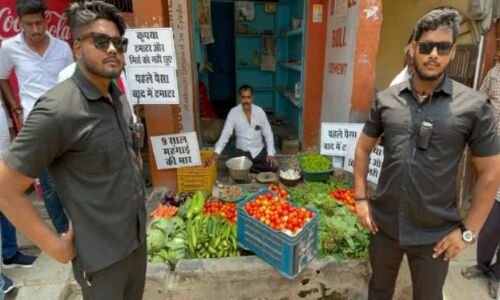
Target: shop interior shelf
(290,95)
(295,67)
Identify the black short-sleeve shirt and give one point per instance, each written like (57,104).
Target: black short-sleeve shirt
(86,142)
(415,200)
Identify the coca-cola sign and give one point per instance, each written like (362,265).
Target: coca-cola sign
(57,26)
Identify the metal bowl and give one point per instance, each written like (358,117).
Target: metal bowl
(239,167)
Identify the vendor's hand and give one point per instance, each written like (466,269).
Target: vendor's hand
(365,216)
(211,161)
(271,160)
(64,250)
(451,245)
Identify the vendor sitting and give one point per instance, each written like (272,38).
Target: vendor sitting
(252,127)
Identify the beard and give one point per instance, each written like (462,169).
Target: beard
(103,71)
(423,76)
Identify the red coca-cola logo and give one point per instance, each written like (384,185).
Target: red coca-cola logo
(9,24)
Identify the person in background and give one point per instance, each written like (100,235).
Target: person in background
(488,244)
(407,71)
(427,122)
(6,285)
(37,58)
(251,127)
(81,131)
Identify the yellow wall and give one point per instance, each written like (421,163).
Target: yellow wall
(399,18)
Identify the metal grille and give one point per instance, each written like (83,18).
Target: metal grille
(122,5)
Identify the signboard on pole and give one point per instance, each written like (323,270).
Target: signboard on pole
(151,66)
(176,150)
(336,136)
(154,85)
(150,47)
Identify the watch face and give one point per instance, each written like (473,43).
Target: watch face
(468,236)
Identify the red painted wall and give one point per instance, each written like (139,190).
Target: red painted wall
(315,63)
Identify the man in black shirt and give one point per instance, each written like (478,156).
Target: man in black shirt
(427,121)
(81,130)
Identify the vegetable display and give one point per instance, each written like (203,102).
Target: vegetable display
(340,234)
(196,205)
(290,174)
(211,237)
(278,213)
(164,211)
(221,209)
(345,196)
(281,192)
(167,240)
(176,200)
(231,192)
(315,162)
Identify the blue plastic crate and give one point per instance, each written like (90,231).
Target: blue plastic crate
(289,255)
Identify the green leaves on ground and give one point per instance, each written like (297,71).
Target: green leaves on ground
(340,235)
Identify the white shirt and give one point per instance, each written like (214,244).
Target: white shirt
(35,74)
(4,129)
(248,135)
(404,75)
(70,70)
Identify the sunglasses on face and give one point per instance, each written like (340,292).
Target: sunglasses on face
(443,48)
(101,41)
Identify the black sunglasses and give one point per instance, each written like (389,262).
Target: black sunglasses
(443,48)
(101,41)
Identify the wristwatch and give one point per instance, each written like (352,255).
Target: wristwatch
(360,198)
(467,235)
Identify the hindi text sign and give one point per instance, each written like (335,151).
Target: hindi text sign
(147,85)
(375,164)
(176,150)
(336,136)
(150,47)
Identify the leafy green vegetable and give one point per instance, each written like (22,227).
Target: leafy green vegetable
(315,162)
(339,234)
(155,240)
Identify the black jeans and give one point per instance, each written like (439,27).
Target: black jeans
(427,274)
(260,163)
(488,243)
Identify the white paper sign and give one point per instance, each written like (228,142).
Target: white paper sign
(375,165)
(336,136)
(150,47)
(156,85)
(176,150)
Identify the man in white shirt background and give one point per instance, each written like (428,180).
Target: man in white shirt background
(252,129)
(37,58)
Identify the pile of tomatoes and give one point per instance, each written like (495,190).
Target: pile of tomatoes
(281,192)
(221,209)
(345,196)
(278,213)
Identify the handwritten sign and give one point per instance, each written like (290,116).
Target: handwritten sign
(176,150)
(148,85)
(375,164)
(336,136)
(150,47)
